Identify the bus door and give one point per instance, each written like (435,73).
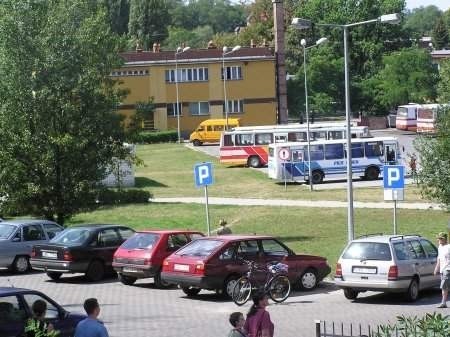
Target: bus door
(298,169)
(390,154)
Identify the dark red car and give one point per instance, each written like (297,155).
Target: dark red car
(215,263)
(142,255)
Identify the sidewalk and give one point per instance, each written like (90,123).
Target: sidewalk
(296,203)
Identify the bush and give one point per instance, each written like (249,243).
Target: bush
(146,137)
(436,325)
(129,196)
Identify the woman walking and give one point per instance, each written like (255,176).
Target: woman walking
(258,323)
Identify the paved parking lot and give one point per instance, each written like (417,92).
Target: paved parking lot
(142,310)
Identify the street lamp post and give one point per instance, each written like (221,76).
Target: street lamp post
(178,51)
(306,24)
(224,73)
(308,136)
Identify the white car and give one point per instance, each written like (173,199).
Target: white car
(387,263)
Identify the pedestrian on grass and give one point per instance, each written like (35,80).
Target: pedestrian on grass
(36,326)
(443,266)
(258,323)
(413,167)
(223,230)
(237,320)
(91,326)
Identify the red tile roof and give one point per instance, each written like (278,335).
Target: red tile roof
(195,54)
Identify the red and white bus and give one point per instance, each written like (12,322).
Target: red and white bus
(407,117)
(249,145)
(426,118)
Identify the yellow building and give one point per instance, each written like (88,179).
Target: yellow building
(250,86)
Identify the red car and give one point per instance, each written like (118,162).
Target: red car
(215,263)
(142,255)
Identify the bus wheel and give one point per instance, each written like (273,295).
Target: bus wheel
(196,142)
(254,162)
(317,177)
(372,173)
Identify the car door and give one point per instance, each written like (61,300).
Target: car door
(32,234)
(432,253)
(51,230)
(12,316)
(108,240)
(420,262)
(274,251)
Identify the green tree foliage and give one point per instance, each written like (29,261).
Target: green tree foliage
(118,13)
(434,158)
(444,82)
(196,38)
(421,21)
(440,34)
(148,22)
(407,76)
(57,100)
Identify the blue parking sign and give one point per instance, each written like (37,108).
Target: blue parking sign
(393,176)
(203,174)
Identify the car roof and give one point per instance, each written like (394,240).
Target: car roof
(385,238)
(229,238)
(12,290)
(167,231)
(20,222)
(98,226)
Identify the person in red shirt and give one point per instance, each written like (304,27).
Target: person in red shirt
(258,323)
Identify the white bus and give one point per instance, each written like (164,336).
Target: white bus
(248,145)
(426,118)
(328,159)
(407,117)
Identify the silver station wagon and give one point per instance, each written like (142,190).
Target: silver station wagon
(17,238)
(387,263)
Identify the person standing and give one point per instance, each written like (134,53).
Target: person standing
(36,326)
(258,323)
(223,230)
(91,326)
(443,266)
(237,321)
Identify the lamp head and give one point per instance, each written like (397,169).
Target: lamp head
(224,49)
(321,40)
(303,42)
(186,49)
(236,48)
(392,19)
(179,50)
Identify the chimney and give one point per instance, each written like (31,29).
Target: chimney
(158,47)
(252,43)
(278,17)
(211,45)
(138,47)
(155,47)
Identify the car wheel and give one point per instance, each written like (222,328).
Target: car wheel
(95,271)
(350,294)
(372,173)
(54,275)
(190,291)
(127,280)
(308,280)
(159,282)
(21,264)
(413,291)
(254,162)
(196,142)
(317,177)
(229,285)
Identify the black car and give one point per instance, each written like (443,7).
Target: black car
(87,249)
(15,310)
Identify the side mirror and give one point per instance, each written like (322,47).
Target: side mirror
(63,314)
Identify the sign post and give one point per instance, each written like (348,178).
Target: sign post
(284,154)
(394,185)
(203,176)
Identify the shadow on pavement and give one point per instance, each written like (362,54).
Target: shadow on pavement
(426,297)
(81,279)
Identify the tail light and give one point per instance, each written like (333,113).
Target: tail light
(33,252)
(67,256)
(393,273)
(199,268)
(338,270)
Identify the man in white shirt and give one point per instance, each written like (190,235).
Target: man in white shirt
(443,267)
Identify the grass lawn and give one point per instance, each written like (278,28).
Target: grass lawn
(305,230)
(168,172)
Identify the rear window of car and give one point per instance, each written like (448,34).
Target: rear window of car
(368,251)
(6,231)
(72,237)
(141,241)
(200,248)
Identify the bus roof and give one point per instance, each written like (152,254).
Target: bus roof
(289,126)
(281,128)
(333,141)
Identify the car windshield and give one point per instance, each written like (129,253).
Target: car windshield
(368,251)
(72,237)
(141,241)
(200,248)
(6,231)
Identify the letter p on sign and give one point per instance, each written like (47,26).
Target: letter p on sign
(203,174)
(393,176)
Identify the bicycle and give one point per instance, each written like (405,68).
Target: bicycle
(276,284)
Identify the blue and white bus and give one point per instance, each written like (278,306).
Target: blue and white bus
(328,159)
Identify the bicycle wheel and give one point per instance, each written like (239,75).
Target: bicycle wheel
(242,291)
(279,288)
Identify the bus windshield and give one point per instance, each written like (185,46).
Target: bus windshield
(402,112)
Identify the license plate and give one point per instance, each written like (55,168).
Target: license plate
(130,270)
(181,267)
(50,255)
(362,270)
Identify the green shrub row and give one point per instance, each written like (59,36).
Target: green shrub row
(129,196)
(147,137)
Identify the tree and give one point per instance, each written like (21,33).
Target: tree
(421,21)
(407,76)
(60,130)
(434,158)
(148,22)
(440,34)
(196,38)
(444,82)
(118,13)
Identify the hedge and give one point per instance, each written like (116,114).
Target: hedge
(129,196)
(146,137)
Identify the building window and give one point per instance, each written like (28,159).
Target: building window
(172,109)
(234,106)
(233,73)
(199,108)
(130,73)
(187,75)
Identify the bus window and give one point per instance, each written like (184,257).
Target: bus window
(374,149)
(389,154)
(319,135)
(335,135)
(316,152)
(228,140)
(209,128)
(280,139)
(271,151)
(334,151)
(244,139)
(357,150)
(219,127)
(263,138)
(297,155)
(297,137)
